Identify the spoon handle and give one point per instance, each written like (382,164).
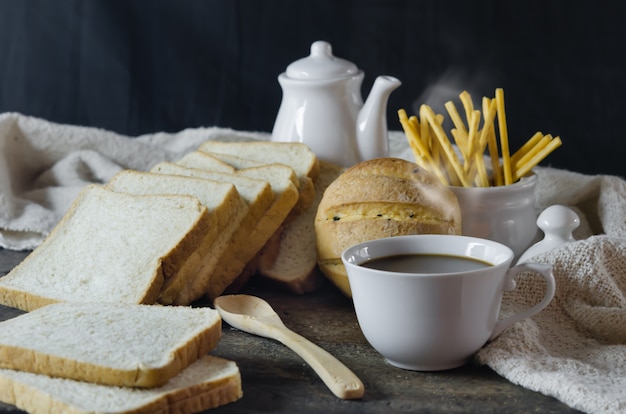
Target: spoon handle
(337,377)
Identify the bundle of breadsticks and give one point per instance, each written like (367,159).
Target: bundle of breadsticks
(467,165)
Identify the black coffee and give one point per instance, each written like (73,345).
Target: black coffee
(426,263)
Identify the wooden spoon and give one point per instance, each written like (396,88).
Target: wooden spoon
(254,315)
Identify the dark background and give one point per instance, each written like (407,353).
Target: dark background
(138,67)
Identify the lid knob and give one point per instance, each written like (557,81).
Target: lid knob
(321,49)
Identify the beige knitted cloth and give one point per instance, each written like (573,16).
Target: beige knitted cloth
(575,350)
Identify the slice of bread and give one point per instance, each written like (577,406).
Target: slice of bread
(283,173)
(268,232)
(248,238)
(295,264)
(222,200)
(197,159)
(253,168)
(208,383)
(256,168)
(108,247)
(109,343)
(294,154)
(233,161)
(224,242)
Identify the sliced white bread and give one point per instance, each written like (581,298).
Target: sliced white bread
(222,200)
(255,168)
(252,167)
(295,264)
(197,159)
(207,383)
(306,194)
(306,190)
(109,343)
(278,175)
(234,161)
(267,234)
(222,245)
(108,247)
(246,240)
(294,154)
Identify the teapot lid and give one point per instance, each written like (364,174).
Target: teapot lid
(321,64)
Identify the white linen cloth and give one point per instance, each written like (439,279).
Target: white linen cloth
(575,350)
(43,166)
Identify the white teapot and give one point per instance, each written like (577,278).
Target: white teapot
(322,107)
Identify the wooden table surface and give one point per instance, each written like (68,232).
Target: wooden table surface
(276,380)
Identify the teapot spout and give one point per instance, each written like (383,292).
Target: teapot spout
(371,123)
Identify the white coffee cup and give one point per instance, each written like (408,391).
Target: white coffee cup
(435,321)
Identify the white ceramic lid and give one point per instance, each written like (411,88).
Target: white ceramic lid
(321,64)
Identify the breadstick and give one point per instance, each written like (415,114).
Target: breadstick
(425,130)
(482,179)
(473,146)
(456,134)
(434,151)
(472,138)
(504,138)
(478,171)
(461,136)
(530,154)
(412,135)
(529,145)
(447,148)
(416,125)
(440,153)
(468,105)
(437,151)
(492,145)
(525,169)
(419,150)
(456,118)
(435,147)
(417,154)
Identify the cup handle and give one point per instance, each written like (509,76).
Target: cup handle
(545,271)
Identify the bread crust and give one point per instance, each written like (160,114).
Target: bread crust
(30,294)
(294,264)
(267,152)
(383,197)
(208,383)
(30,357)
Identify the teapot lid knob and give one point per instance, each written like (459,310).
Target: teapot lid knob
(321,48)
(321,64)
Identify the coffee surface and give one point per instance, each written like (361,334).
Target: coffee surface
(426,263)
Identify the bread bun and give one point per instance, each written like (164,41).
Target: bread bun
(379,198)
